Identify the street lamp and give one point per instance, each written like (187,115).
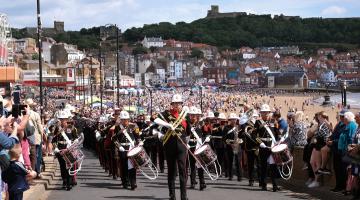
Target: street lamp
(101,81)
(344,87)
(104,36)
(40,59)
(90,79)
(150,91)
(201,96)
(129,100)
(83,81)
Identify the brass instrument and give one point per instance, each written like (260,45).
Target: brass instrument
(234,143)
(176,123)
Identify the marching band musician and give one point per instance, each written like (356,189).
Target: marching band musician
(250,146)
(175,150)
(232,141)
(195,143)
(122,131)
(207,128)
(112,152)
(150,139)
(217,134)
(265,139)
(100,136)
(61,141)
(74,135)
(159,144)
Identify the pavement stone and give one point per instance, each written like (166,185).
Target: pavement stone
(94,183)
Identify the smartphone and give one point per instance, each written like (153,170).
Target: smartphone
(17,110)
(1,109)
(16,96)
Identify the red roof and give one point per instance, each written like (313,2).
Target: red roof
(348,76)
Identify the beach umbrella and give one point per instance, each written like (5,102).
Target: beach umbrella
(109,104)
(97,105)
(130,108)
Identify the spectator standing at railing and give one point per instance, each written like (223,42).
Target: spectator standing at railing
(16,175)
(319,141)
(339,166)
(353,151)
(35,138)
(346,138)
(7,127)
(298,131)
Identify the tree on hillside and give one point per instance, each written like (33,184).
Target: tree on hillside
(197,53)
(139,50)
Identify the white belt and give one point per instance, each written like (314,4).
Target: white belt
(266,139)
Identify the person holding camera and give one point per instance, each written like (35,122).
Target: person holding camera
(34,134)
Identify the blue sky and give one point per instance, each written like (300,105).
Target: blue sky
(129,13)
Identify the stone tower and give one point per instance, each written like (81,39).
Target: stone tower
(59,26)
(214,10)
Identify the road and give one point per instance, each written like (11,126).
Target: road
(93,183)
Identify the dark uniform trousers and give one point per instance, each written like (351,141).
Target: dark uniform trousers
(265,168)
(193,168)
(151,150)
(128,176)
(160,149)
(67,179)
(176,153)
(251,159)
(229,160)
(115,161)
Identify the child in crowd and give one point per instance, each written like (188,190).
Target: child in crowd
(16,175)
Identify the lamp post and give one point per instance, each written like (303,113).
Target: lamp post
(151,102)
(83,82)
(138,102)
(75,85)
(101,81)
(129,100)
(345,85)
(40,59)
(117,68)
(104,36)
(90,81)
(342,93)
(201,102)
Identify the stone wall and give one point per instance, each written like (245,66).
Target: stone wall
(302,175)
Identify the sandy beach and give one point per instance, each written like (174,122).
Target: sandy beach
(313,106)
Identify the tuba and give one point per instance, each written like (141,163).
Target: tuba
(234,143)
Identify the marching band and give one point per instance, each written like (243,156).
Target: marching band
(202,144)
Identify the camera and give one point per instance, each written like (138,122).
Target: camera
(17,110)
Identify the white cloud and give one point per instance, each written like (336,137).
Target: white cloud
(334,10)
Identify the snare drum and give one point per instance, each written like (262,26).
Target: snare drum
(281,154)
(72,156)
(138,156)
(205,154)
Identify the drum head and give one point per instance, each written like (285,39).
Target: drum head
(201,149)
(279,148)
(134,151)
